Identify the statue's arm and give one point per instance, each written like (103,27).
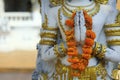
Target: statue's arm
(48,36)
(112,32)
(50,45)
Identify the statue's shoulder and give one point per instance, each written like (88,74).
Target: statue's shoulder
(54,10)
(106,9)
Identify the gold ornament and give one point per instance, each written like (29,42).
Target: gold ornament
(56,2)
(114,42)
(113,32)
(48,35)
(68,12)
(114,74)
(47,42)
(59,51)
(90,73)
(101,55)
(96,49)
(102,1)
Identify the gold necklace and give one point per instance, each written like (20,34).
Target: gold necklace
(79,6)
(68,13)
(78,9)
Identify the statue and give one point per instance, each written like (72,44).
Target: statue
(80,40)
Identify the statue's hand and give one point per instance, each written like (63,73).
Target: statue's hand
(80,28)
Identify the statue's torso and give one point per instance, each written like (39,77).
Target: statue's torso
(98,22)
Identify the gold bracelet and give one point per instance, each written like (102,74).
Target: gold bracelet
(112,32)
(48,35)
(63,48)
(112,25)
(96,49)
(102,54)
(114,42)
(56,52)
(47,42)
(61,52)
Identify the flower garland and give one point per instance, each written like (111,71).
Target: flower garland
(79,63)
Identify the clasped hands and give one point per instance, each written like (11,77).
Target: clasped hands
(80,29)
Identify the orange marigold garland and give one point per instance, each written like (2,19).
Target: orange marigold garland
(79,63)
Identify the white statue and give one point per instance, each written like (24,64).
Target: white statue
(66,52)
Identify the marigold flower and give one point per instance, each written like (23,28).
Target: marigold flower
(90,34)
(89,41)
(87,50)
(71,43)
(77,62)
(74,66)
(82,67)
(86,56)
(70,23)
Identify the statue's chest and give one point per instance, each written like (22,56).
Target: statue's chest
(98,22)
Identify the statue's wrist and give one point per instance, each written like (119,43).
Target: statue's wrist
(60,50)
(99,50)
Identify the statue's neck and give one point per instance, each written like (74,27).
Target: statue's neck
(80,2)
